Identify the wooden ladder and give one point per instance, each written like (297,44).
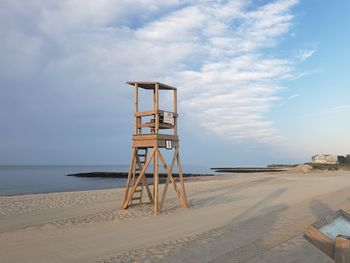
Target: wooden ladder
(140,160)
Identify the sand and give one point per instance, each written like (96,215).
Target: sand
(301,168)
(234,218)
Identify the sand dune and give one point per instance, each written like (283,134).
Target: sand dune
(239,218)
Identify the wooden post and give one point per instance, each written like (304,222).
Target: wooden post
(342,249)
(129,175)
(156,181)
(156,174)
(136,104)
(175,112)
(156,108)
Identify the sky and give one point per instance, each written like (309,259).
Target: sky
(259,82)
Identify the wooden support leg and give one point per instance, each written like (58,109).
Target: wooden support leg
(180,196)
(156,154)
(164,194)
(140,177)
(179,167)
(156,181)
(129,176)
(154,172)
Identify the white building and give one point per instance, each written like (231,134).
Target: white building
(325,158)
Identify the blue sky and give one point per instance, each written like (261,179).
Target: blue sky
(259,81)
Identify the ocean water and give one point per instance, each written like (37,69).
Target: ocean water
(18,180)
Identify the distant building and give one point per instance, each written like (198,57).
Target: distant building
(325,159)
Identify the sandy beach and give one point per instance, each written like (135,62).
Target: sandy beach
(232,218)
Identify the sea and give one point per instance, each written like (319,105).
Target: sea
(36,179)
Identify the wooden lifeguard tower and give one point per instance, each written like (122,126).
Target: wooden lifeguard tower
(146,147)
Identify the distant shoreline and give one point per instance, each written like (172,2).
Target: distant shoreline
(247,169)
(125,175)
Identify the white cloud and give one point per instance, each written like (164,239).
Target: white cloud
(330,111)
(212,50)
(305,54)
(291,97)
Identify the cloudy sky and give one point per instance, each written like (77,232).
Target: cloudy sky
(258,81)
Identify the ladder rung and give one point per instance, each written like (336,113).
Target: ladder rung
(137,191)
(142,154)
(136,198)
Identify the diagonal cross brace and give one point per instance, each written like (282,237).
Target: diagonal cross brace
(170,177)
(167,180)
(142,174)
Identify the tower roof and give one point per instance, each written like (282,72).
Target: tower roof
(151,85)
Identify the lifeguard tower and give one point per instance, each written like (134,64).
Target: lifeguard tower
(148,143)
